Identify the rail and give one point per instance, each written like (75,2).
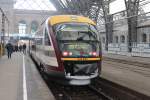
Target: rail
(76,92)
(118,92)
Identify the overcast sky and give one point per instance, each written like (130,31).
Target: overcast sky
(116,6)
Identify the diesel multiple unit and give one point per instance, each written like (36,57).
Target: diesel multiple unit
(67,48)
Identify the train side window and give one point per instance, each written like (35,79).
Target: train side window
(46,38)
(38,41)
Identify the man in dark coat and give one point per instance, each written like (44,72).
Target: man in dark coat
(20,48)
(16,48)
(9,48)
(24,48)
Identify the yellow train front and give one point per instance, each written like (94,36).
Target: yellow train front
(68,50)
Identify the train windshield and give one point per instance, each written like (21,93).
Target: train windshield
(77,38)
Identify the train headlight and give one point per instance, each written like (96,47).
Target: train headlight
(65,53)
(70,53)
(93,53)
(90,53)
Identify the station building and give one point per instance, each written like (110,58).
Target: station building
(22,21)
(120,29)
(120,34)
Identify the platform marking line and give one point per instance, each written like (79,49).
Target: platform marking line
(24,81)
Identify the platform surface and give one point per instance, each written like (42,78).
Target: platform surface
(20,80)
(133,77)
(129,58)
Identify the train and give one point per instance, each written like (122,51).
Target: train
(67,49)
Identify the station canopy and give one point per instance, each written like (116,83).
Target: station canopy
(22,36)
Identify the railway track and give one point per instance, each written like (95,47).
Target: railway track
(116,91)
(62,92)
(100,89)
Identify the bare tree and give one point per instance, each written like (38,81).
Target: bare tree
(108,26)
(132,8)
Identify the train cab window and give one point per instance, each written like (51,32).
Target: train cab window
(46,38)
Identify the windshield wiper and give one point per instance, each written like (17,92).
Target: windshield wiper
(86,34)
(81,38)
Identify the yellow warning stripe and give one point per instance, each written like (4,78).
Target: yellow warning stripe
(80,59)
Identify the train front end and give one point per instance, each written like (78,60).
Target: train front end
(79,47)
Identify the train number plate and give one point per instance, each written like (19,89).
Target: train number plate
(82,59)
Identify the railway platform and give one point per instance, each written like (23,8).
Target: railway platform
(20,80)
(144,60)
(131,72)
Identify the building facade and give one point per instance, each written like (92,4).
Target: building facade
(22,21)
(120,36)
(120,29)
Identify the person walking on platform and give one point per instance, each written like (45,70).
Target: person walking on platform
(16,48)
(20,48)
(9,48)
(24,48)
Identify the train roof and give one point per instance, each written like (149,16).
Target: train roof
(69,18)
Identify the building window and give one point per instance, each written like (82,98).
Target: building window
(116,39)
(34,27)
(46,38)
(22,27)
(122,38)
(144,38)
